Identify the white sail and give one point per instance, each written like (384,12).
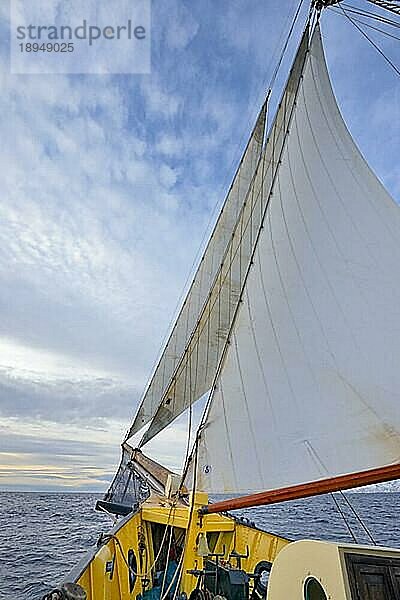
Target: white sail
(310,384)
(198,366)
(203,280)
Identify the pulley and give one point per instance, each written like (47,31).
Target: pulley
(320,4)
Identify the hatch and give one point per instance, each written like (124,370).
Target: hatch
(373,577)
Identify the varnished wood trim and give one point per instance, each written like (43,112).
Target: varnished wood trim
(305,490)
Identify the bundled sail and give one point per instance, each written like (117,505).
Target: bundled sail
(310,384)
(159,388)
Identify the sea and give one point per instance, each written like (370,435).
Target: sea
(42,536)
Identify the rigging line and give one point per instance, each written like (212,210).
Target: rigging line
(239,145)
(394,67)
(177,570)
(189,433)
(167,563)
(349,529)
(357,516)
(365,16)
(386,6)
(117,542)
(274,54)
(371,26)
(391,35)
(370,15)
(347,501)
(289,35)
(149,570)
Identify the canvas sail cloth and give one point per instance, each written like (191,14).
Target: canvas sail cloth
(310,384)
(169,391)
(198,365)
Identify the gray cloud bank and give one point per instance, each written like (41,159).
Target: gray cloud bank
(66,401)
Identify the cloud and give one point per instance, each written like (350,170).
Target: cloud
(108,184)
(182,27)
(92,400)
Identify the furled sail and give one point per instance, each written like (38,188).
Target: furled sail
(197,368)
(204,277)
(309,386)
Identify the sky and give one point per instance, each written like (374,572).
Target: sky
(109,188)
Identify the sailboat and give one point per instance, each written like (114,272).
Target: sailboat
(291,331)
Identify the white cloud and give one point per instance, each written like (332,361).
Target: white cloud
(182,27)
(107,187)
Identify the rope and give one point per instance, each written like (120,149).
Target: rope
(344,518)
(359,519)
(178,569)
(386,5)
(111,536)
(391,35)
(166,562)
(356,515)
(377,48)
(289,35)
(368,14)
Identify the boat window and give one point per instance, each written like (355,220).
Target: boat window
(313,590)
(132,562)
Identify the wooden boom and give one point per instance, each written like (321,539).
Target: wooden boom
(304,490)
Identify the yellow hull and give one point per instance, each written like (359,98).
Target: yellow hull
(104,574)
(125,562)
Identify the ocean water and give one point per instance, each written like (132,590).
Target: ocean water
(42,536)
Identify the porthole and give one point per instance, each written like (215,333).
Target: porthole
(132,562)
(313,590)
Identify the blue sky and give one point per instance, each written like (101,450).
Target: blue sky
(109,186)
